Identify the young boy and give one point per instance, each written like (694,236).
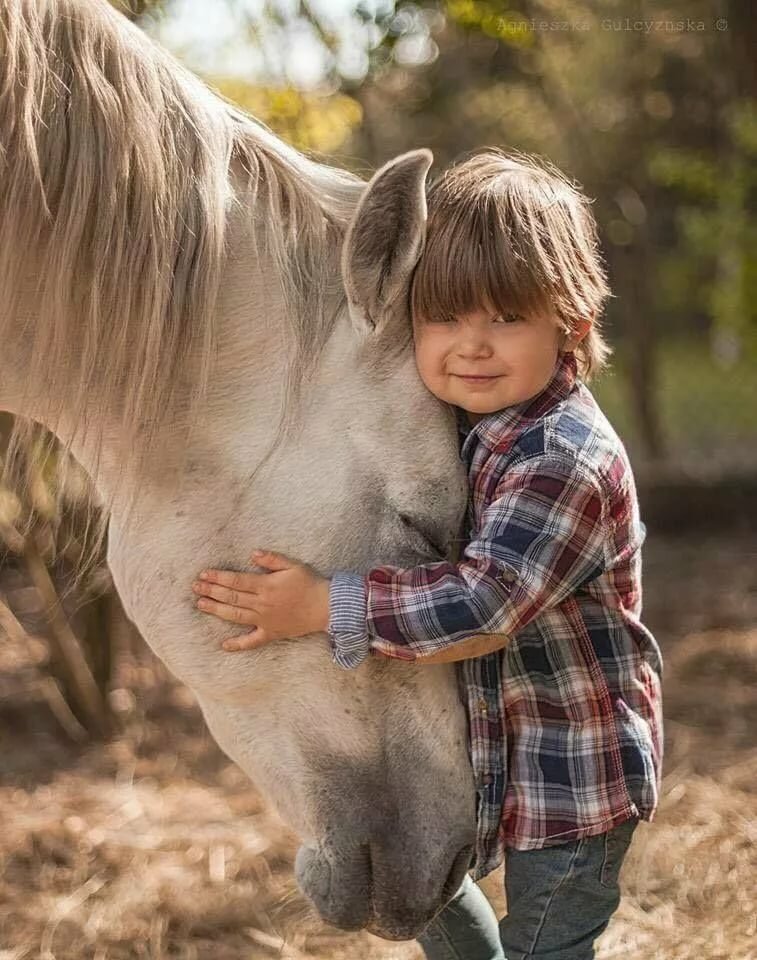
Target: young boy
(564,709)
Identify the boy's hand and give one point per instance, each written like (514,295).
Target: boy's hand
(289,601)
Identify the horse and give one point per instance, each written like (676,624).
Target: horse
(216,327)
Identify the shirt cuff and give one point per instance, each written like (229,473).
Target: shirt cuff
(348,599)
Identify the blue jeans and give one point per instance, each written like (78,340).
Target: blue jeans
(559,900)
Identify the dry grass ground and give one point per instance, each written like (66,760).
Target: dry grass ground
(155,846)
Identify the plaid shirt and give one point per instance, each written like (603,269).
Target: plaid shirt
(565,720)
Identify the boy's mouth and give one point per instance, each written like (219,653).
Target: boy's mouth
(476,378)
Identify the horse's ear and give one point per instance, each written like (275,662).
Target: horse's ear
(385,240)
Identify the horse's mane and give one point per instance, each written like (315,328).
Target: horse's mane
(114,175)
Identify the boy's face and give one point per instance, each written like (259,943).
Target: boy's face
(485,361)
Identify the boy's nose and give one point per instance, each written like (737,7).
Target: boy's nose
(473,347)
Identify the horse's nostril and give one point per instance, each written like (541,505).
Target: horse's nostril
(457,872)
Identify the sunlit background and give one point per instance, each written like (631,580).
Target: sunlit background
(651,107)
(135,836)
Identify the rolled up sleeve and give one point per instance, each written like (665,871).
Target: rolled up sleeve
(347,619)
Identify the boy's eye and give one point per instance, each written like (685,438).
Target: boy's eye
(508,318)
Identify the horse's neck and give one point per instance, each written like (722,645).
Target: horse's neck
(242,411)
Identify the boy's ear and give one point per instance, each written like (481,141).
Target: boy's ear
(580,329)
(385,240)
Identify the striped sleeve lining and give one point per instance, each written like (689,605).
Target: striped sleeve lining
(347,615)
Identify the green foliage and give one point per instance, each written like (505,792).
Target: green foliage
(714,266)
(492,18)
(742,121)
(688,171)
(706,407)
(306,120)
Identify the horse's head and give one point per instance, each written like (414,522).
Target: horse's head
(369,766)
(395,810)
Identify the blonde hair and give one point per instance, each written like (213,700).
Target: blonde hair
(509,231)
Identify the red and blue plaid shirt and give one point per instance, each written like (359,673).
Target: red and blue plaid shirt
(565,720)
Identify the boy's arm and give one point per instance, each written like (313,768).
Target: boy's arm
(543,535)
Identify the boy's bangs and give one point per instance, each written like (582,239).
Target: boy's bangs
(467,267)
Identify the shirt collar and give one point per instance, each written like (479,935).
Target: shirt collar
(498,430)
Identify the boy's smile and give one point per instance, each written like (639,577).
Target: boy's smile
(476,383)
(484,361)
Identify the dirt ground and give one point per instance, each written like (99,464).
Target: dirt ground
(154,845)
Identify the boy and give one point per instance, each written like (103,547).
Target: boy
(564,706)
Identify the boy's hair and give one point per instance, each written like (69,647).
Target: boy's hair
(508,231)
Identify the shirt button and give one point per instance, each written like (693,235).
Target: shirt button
(509,576)
(483,706)
(487,779)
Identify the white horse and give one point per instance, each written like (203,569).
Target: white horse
(217,328)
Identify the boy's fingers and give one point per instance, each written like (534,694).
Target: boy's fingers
(234,598)
(232,579)
(247,641)
(271,560)
(242,615)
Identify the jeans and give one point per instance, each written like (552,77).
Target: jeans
(559,900)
